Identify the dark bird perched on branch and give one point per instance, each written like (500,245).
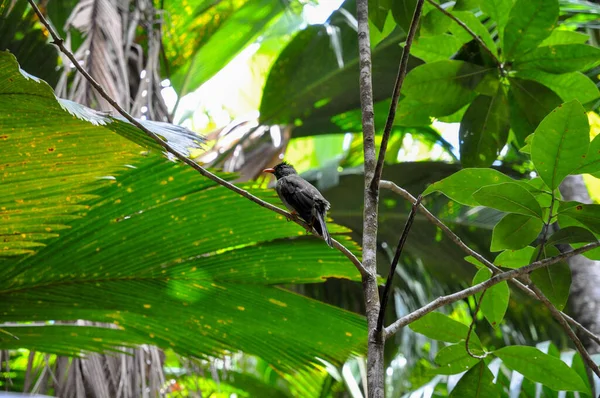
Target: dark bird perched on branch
(301,198)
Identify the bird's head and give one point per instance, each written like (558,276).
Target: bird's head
(281,170)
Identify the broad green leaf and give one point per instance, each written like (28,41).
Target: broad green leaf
(568,86)
(312,86)
(433,22)
(498,10)
(25,38)
(461,185)
(562,36)
(466,5)
(509,197)
(555,280)
(542,368)
(69,340)
(578,366)
(476,383)
(529,23)
(378,12)
(495,300)
(454,359)
(529,103)
(560,143)
(473,23)
(484,130)
(571,235)
(474,261)
(562,58)
(34,213)
(566,221)
(435,48)
(514,258)
(201,42)
(515,231)
(403,11)
(586,214)
(154,248)
(444,85)
(438,326)
(591,164)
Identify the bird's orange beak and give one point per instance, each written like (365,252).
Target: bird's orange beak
(271,170)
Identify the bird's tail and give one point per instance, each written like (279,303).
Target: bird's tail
(321,228)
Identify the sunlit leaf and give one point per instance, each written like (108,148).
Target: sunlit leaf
(461,185)
(515,231)
(561,58)
(509,197)
(529,23)
(560,143)
(541,368)
(495,300)
(446,86)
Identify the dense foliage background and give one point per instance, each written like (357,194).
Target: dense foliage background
(108,247)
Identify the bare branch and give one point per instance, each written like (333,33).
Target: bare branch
(59,42)
(437,222)
(469,31)
(388,282)
(504,276)
(396,94)
(563,322)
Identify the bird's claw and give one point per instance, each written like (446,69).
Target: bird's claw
(294,216)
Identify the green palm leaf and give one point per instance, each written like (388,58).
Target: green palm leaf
(150,246)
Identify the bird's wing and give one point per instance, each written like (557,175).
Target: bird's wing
(301,195)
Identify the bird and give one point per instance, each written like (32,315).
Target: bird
(301,198)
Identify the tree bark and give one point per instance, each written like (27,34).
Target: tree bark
(584,299)
(375,366)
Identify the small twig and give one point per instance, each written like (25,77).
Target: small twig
(471,326)
(546,226)
(396,94)
(8,334)
(437,222)
(504,276)
(60,43)
(388,282)
(469,31)
(563,322)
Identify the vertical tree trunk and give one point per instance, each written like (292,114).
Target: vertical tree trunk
(584,299)
(375,368)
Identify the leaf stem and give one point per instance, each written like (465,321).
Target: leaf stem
(471,326)
(388,282)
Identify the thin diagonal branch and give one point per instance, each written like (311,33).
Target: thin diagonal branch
(546,227)
(563,322)
(388,282)
(504,276)
(58,41)
(469,31)
(471,326)
(437,222)
(396,94)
